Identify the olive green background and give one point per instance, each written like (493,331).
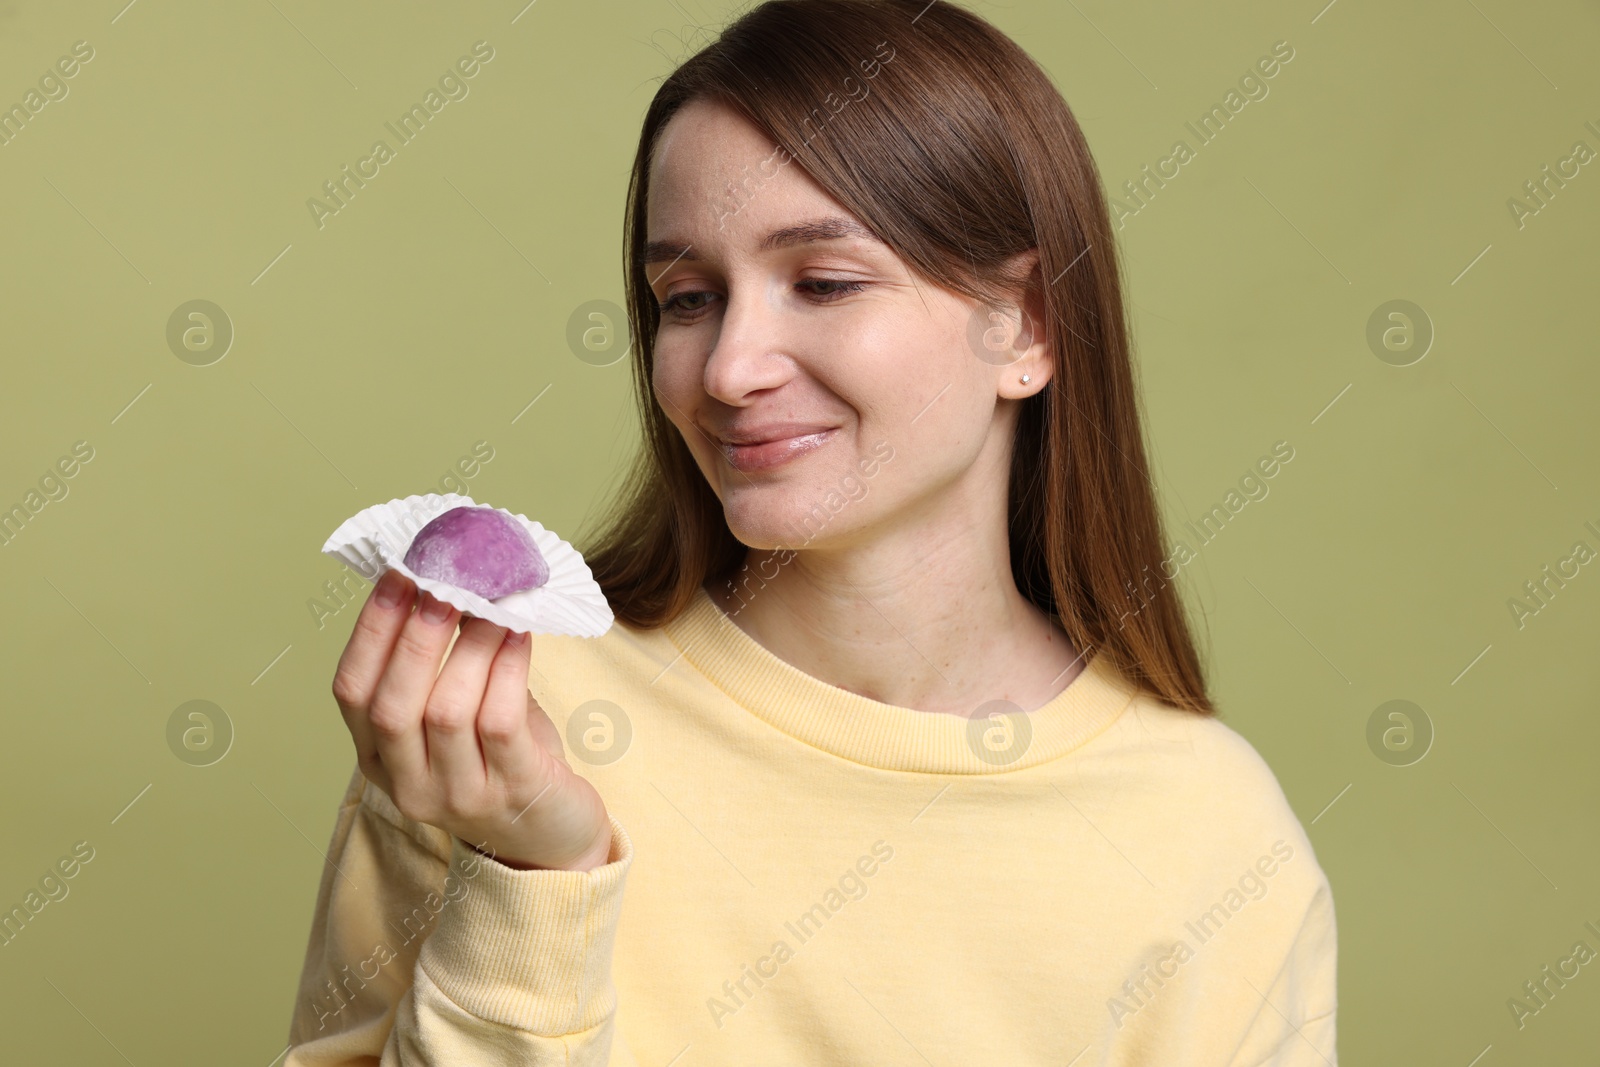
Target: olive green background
(371,354)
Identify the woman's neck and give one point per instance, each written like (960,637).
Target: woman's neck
(920,635)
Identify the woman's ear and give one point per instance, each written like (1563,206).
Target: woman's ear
(1030,346)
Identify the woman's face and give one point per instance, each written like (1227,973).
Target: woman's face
(823,391)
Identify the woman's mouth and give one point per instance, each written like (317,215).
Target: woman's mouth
(765,455)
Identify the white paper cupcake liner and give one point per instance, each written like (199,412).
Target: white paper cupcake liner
(375,540)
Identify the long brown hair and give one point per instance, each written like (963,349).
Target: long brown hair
(951,144)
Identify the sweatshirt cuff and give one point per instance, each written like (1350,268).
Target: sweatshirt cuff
(529,949)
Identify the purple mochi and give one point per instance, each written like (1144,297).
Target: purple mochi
(480,549)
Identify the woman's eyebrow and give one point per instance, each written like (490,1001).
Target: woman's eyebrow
(825,228)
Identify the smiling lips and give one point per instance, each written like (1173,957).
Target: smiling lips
(765,447)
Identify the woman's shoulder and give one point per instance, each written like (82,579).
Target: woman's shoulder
(1205,746)
(1207,780)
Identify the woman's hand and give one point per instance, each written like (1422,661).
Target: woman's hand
(466,748)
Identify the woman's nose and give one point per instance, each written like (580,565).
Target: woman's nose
(751,349)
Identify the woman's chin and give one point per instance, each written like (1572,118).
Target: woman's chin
(761,530)
(761,538)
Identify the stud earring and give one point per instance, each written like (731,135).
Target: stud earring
(1024,379)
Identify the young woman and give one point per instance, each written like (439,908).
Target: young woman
(900,746)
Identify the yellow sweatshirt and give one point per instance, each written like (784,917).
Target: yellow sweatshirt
(802,875)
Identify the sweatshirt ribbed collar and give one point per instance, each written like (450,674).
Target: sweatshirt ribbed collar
(886,736)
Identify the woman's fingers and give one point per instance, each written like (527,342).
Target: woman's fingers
(443,722)
(455,759)
(362,664)
(503,724)
(402,695)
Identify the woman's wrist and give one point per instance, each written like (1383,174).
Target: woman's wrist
(597,855)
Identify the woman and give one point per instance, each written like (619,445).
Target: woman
(900,746)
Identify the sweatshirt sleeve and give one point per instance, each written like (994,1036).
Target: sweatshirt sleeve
(1296,1024)
(422,951)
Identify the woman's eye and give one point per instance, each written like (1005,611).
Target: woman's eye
(676,303)
(841,287)
(690,303)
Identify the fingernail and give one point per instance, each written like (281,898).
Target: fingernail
(515,637)
(389,589)
(434,609)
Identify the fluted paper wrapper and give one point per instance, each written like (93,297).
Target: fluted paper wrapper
(376,539)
